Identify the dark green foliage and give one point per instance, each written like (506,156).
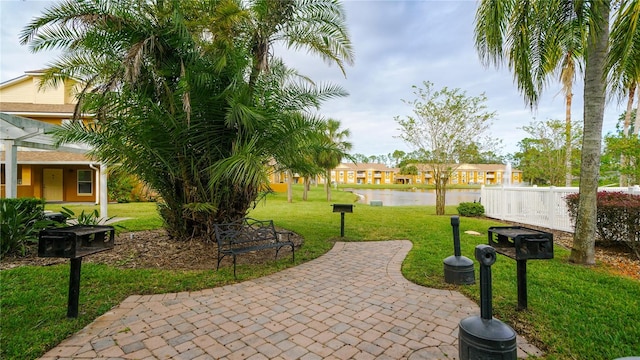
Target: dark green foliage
(618,218)
(470,209)
(20,221)
(196,118)
(621,155)
(409,170)
(121,185)
(88,218)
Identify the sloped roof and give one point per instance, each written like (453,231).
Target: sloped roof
(365,167)
(49,157)
(476,167)
(31,108)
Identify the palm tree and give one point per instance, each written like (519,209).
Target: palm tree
(331,150)
(563,50)
(624,66)
(317,26)
(517,31)
(624,52)
(173,105)
(539,48)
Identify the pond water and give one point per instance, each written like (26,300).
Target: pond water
(415,197)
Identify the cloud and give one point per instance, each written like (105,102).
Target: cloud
(397,44)
(15,58)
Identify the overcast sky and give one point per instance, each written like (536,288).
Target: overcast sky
(397,44)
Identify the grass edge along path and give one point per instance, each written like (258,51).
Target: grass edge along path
(574,311)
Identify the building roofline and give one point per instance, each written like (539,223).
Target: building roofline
(13,81)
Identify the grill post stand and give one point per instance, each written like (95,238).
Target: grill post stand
(521,244)
(75,242)
(342,208)
(74,288)
(521,269)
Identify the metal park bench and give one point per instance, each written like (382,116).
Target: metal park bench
(248,235)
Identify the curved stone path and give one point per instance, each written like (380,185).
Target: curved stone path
(351,303)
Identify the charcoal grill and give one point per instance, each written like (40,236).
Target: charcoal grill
(521,244)
(75,242)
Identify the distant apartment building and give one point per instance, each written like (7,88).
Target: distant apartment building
(350,173)
(380,174)
(464,174)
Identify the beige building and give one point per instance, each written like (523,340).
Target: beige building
(31,166)
(380,174)
(475,174)
(464,174)
(370,173)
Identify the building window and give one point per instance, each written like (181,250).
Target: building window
(85,182)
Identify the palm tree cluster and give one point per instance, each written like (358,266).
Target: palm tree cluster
(188,96)
(538,38)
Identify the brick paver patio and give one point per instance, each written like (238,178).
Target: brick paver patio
(351,303)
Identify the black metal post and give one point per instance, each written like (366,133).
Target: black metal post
(483,337)
(521,268)
(486,255)
(455,224)
(342,224)
(74,287)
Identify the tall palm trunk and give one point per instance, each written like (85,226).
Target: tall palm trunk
(305,188)
(636,126)
(289,186)
(568,146)
(567,76)
(625,130)
(583,250)
(327,184)
(627,114)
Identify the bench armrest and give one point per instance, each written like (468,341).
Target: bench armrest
(283,236)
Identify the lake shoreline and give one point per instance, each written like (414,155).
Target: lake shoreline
(413,197)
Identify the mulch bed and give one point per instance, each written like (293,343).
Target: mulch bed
(154,249)
(616,258)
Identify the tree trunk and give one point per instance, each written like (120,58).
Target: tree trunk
(583,250)
(289,186)
(567,156)
(441,191)
(636,126)
(627,114)
(625,130)
(327,184)
(305,188)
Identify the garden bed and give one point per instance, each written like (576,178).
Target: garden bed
(154,249)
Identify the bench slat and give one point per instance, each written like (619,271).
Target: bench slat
(249,235)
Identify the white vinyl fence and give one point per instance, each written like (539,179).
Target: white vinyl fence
(535,206)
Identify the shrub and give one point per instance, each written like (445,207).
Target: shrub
(472,209)
(121,186)
(88,218)
(618,218)
(20,221)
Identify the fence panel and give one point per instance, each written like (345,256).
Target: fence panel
(535,206)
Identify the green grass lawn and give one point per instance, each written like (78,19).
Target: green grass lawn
(575,312)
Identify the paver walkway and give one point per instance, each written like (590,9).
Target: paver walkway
(351,303)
